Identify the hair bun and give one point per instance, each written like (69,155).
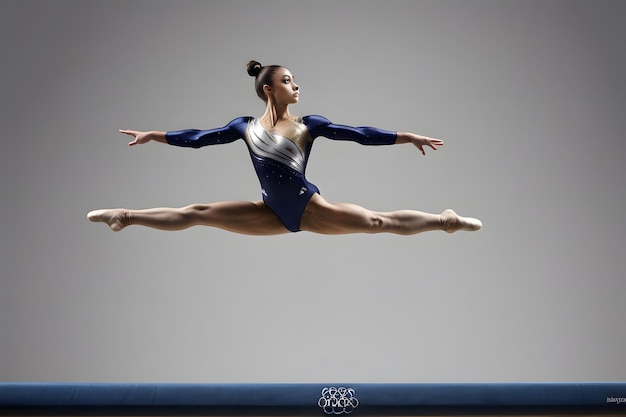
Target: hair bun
(254,68)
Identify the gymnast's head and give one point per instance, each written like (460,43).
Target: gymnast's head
(273,81)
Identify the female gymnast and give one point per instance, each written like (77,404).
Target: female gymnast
(279,144)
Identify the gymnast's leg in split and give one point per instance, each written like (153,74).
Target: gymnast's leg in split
(244,217)
(255,218)
(321,216)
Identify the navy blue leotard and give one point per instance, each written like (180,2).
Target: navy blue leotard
(279,161)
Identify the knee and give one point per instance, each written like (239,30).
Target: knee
(195,210)
(376,223)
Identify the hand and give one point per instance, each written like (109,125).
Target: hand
(139,137)
(419,141)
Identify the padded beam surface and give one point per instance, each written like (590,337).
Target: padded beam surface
(330,398)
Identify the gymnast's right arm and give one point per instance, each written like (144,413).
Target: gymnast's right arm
(192,138)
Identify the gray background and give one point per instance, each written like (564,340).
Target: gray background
(528,95)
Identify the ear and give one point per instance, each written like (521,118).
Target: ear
(267,89)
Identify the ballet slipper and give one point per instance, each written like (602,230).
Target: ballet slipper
(112,217)
(451,222)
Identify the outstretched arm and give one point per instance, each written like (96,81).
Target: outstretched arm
(418,141)
(192,138)
(365,135)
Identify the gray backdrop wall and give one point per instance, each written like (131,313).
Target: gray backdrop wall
(528,95)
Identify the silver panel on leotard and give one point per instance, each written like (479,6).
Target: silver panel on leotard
(274,146)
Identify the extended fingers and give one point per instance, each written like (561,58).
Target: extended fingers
(132,133)
(430,142)
(434,144)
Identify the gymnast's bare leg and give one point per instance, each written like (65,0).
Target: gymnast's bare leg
(256,218)
(323,217)
(250,218)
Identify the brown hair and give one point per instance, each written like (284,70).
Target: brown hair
(262,76)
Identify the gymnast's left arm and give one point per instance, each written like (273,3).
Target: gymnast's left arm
(366,135)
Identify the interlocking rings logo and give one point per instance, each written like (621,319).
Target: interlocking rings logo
(338,400)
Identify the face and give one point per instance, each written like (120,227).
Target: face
(284,90)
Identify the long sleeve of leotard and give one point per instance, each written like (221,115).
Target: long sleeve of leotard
(365,135)
(194,138)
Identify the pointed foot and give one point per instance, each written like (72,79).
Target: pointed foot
(452,222)
(114,218)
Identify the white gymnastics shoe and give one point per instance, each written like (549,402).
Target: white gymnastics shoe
(112,217)
(451,222)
